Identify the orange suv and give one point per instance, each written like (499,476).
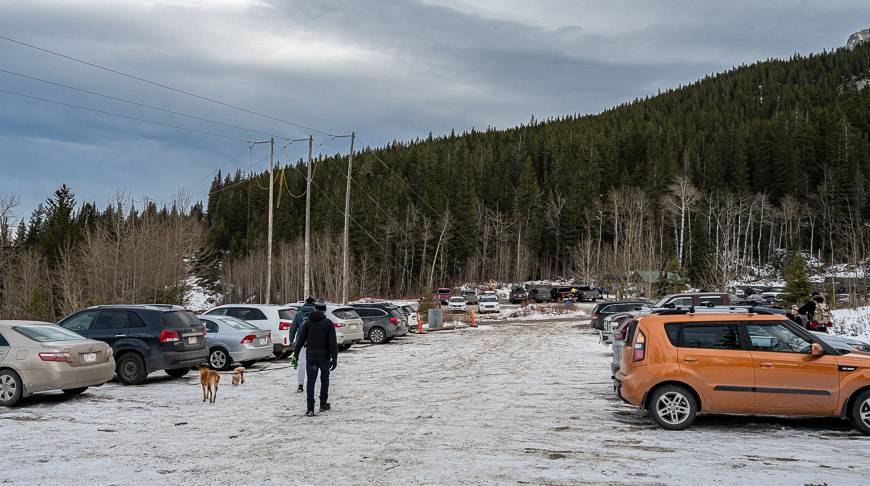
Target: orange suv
(677,363)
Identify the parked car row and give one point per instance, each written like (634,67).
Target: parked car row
(679,362)
(90,346)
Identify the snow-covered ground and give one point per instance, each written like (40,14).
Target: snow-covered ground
(853,322)
(508,402)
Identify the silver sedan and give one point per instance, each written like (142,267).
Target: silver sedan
(232,340)
(40,356)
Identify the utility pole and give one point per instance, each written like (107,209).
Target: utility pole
(306,284)
(271,142)
(269,245)
(345,281)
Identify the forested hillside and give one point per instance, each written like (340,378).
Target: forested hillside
(715,179)
(735,170)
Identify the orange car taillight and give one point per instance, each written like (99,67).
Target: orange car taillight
(64,357)
(639,351)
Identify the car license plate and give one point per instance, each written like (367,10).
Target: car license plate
(262,340)
(191,340)
(90,357)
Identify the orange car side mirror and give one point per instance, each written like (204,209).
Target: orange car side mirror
(818,350)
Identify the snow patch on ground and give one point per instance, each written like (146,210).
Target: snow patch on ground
(198,298)
(852,322)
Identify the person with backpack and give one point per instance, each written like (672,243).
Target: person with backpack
(817,312)
(318,338)
(298,322)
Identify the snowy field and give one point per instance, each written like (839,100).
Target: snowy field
(506,403)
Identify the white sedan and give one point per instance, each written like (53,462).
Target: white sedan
(457,304)
(488,303)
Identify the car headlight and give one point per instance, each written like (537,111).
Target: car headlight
(860,347)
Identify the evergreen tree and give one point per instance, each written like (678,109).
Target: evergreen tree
(797,284)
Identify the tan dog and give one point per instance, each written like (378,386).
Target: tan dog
(209,380)
(239,376)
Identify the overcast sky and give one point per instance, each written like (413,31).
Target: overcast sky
(387,69)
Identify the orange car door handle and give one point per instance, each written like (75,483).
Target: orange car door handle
(766,364)
(690,359)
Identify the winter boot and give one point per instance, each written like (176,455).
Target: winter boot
(324,407)
(300,389)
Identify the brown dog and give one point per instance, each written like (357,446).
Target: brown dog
(209,380)
(239,376)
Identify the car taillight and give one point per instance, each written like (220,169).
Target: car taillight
(596,315)
(639,347)
(337,324)
(283,326)
(619,335)
(394,320)
(167,336)
(64,357)
(249,339)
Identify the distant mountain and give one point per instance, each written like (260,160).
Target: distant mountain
(858,38)
(525,201)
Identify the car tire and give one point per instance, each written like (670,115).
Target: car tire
(860,412)
(11,388)
(130,369)
(177,372)
(673,407)
(219,359)
(344,347)
(247,364)
(71,392)
(377,335)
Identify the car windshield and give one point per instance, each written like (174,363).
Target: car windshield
(489,298)
(457,299)
(46,334)
(662,302)
(238,323)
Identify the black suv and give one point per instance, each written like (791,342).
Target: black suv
(518,295)
(381,322)
(541,294)
(144,338)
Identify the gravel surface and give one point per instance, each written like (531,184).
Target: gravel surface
(523,402)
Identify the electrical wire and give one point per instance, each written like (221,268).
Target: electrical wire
(340,210)
(136,103)
(162,85)
(95,110)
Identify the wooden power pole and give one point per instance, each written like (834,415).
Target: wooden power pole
(269,236)
(306,279)
(345,281)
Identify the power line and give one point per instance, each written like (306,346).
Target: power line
(161,85)
(350,216)
(136,103)
(95,110)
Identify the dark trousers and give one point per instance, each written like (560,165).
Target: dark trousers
(313,367)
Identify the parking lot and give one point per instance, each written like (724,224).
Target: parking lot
(507,402)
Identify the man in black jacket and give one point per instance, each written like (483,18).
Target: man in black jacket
(318,336)
(298,322)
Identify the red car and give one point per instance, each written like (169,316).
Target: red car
(442,295)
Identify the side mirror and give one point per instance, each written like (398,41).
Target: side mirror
(817,350)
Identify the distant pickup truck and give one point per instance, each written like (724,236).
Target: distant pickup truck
(442,295)
(587,294)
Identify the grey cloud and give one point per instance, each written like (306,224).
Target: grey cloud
(387,69)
